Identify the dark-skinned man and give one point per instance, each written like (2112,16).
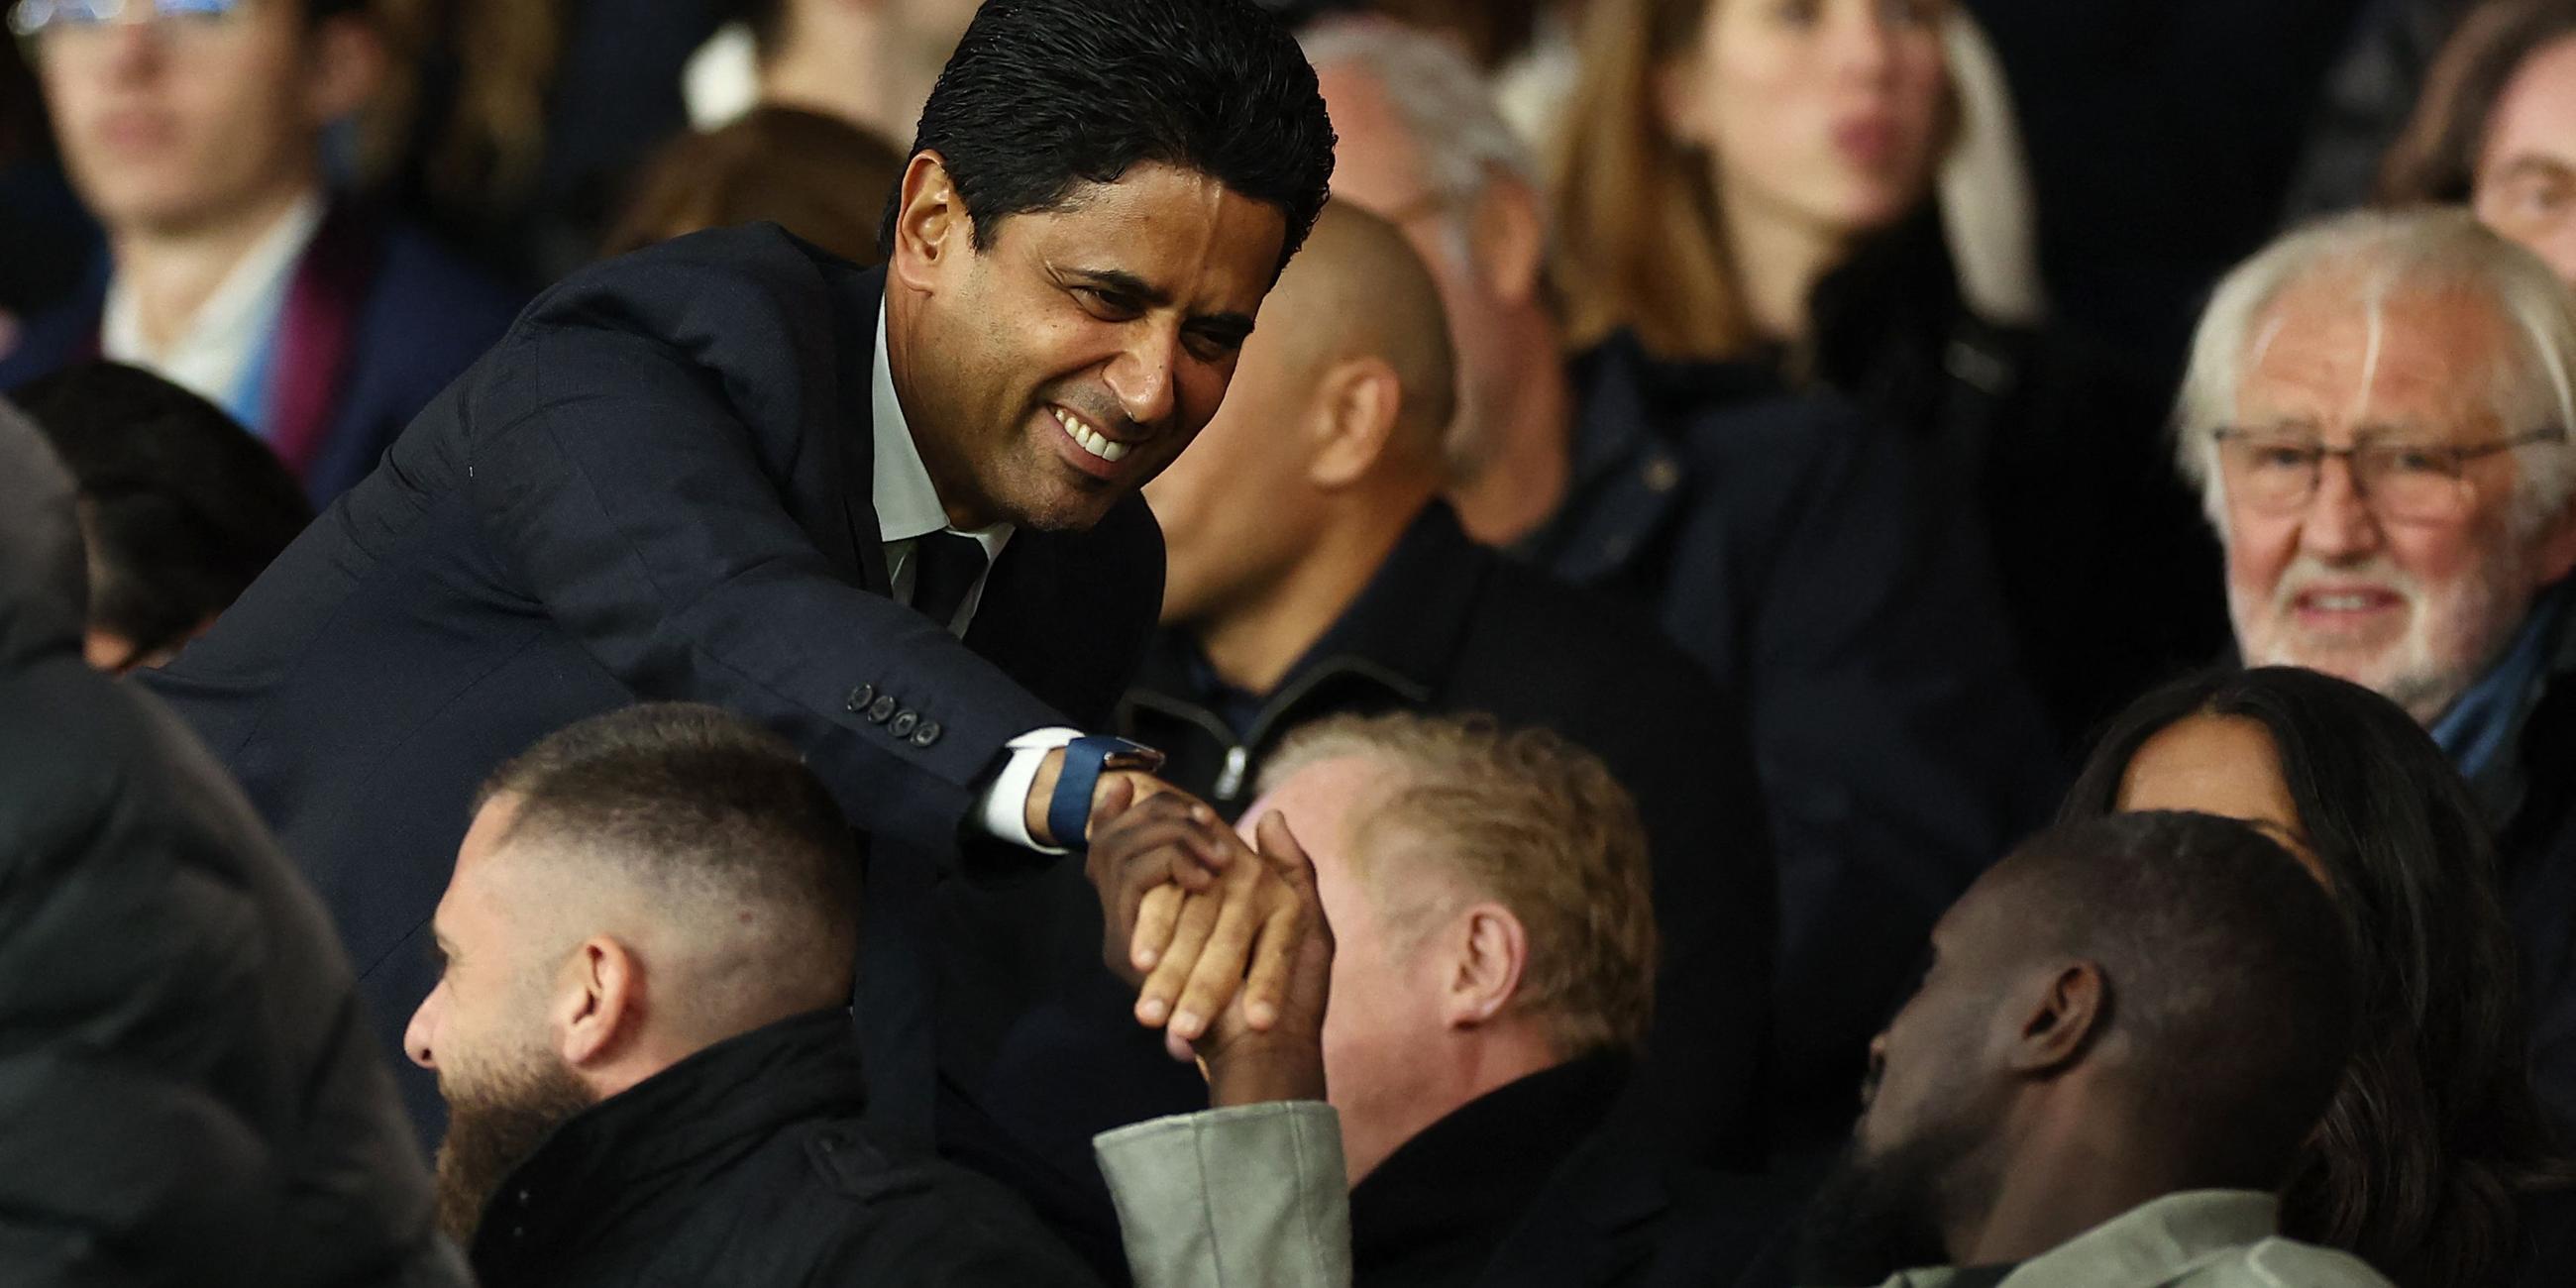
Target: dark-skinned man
(887,514)
(1314,572)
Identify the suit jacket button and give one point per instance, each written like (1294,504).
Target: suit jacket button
(860,697)
(882,708)
(927,734)
(903,724)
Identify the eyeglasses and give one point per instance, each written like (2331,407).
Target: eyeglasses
(31,18)
(2277,473)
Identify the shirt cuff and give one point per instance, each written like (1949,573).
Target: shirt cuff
(1250,1195)
(1002,811)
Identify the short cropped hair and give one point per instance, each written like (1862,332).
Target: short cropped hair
(1525,819)
(1043,96)
(181,508)
(2388,256)
(699,806)
(2227,968)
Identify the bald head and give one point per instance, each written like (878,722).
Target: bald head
(1358,292)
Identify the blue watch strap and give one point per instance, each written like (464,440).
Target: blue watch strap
(1069,809)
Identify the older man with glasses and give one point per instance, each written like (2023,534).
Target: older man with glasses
(2378,412)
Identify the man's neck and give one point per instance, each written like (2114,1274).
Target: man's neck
(2045,1197)
(1525,478)
(170,272)
(1778,259)
(1253,644)
(846,66)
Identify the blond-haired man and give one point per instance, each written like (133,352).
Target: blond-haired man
(1492,982)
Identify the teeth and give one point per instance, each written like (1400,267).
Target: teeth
(2342,603)
(1091,440)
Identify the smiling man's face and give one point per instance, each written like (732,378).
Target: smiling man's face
(1070,359)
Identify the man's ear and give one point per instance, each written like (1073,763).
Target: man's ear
(1486,951)
(598,1006)
(349,64)
(931,228)
(1357,403)
(2059,1019)
(1509,242)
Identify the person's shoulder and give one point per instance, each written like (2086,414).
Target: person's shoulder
(1553,621)
(2287,1263)
(921,1220)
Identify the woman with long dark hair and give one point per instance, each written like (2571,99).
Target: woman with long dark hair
(2435,1144)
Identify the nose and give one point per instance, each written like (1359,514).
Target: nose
(135,49)
(2339,527)
(420,1037)
(1864,46)
(1144,377)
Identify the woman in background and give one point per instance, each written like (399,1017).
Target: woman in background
(2434,1162)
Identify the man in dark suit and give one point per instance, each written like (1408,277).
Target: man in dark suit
(888,514)
(1314,572)
(196,142)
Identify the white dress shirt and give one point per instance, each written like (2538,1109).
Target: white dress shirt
(908,509)
(212,356)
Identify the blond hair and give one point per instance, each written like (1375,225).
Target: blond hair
(1522,818)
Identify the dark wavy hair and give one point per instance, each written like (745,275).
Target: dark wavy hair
(1043,96)
(2435,1132)
(2435,158)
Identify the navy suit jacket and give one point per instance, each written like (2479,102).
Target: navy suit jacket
(398,316)
(657,486)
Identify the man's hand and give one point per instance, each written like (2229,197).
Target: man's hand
(1187,906)
(1285,1061)
(1116,790)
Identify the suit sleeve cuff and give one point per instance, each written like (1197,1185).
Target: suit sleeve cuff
(1002,811)
(1254,1194)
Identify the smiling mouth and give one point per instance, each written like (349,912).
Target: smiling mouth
(1087,438)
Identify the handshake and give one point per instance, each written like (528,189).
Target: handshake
(1225,941)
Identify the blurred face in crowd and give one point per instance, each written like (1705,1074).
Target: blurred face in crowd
(1387,988)
(1378,166)
(168,124)
(2414,590)
(2526,173)
(2223,765)
(1935,1092)
(1828,113)
(925,32)
(484,1029)
(1067,361)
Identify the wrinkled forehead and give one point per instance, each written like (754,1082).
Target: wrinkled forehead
(2355,351)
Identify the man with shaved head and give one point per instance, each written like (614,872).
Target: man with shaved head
(1314,571)
(641,1028)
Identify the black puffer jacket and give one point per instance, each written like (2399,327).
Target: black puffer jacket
(187,1091)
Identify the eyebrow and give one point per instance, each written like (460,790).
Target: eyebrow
(1237,325)
(2528,165)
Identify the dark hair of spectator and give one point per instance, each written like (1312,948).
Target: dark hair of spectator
(817,176)
(2435,1128)
(2225,963)
(2435,158)
(1043,96)
(183,508)
(695,796)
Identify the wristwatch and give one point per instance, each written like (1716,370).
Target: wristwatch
(1085,759)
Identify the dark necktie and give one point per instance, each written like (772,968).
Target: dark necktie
(944,568)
